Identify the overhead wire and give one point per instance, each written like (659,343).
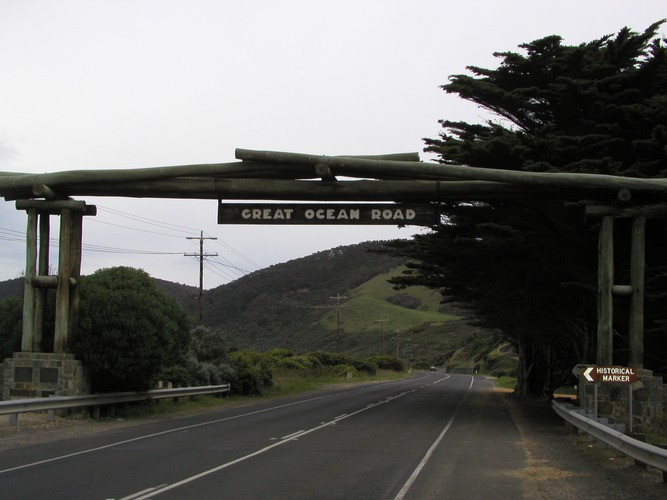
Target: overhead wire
(221,266)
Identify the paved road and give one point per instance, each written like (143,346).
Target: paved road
(434,436)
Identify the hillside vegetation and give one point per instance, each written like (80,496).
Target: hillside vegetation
(294,306)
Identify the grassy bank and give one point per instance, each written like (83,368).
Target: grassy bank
(284,384)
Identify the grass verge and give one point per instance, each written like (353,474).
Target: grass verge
(284,384)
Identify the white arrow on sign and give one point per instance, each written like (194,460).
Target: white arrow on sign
(587,373)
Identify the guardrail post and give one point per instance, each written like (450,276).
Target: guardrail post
(95,412)
(14,419)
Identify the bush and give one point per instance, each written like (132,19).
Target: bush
(179,376)
(129,330)
(365,366)
(300,363)
(208,344)
(342,370)
(208,373)
(11,326)
(330,358)
(253,372)
(279,353)
(386,362)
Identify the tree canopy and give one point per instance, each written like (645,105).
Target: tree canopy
(528,268)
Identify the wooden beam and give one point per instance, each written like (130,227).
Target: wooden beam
(359,167)
(361,190)
(622,290)
(652,210)
(56,206)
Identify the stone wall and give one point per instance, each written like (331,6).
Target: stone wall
(37,374)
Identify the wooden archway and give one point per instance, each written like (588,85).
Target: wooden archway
(267,175)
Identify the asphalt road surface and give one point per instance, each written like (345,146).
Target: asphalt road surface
(432,436)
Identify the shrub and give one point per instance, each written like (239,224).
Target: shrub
(208,373)
(11,315)
(386,362)
(253,372)
(300,363)
(279,353)
(179,376)
(365,366)
(330,358)
(342,370)
(208,344)
(129,330)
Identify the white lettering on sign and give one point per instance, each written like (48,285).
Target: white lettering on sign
(332,214)
(614,370)
(266,213)
(391,214)
(616,378)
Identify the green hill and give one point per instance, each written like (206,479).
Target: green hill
(294,306)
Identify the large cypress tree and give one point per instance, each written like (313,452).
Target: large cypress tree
(528,268)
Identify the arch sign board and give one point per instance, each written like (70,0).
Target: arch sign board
(397,214)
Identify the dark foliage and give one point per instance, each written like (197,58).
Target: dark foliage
(11,314)
(528,269)
(385,362)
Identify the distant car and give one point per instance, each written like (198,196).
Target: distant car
(433,368)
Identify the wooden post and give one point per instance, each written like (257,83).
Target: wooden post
(42,270)
(75,269)
(605,283)
(27,339)
(637,264)
(63,288)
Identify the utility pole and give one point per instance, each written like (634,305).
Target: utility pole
(398,338)
(338,297)
(201,256)
(382,322)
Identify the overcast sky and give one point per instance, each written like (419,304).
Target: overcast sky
(98,84)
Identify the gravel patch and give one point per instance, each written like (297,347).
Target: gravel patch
(563,465)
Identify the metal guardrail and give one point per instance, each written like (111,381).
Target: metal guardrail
(16,406)
(642,452)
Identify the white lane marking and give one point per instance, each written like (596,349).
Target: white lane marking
(187,427)
(253,454)
(292,435)
(143,492)
(441,379)
(406,487)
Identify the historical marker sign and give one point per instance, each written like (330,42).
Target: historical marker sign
(396,214)
(609,374)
